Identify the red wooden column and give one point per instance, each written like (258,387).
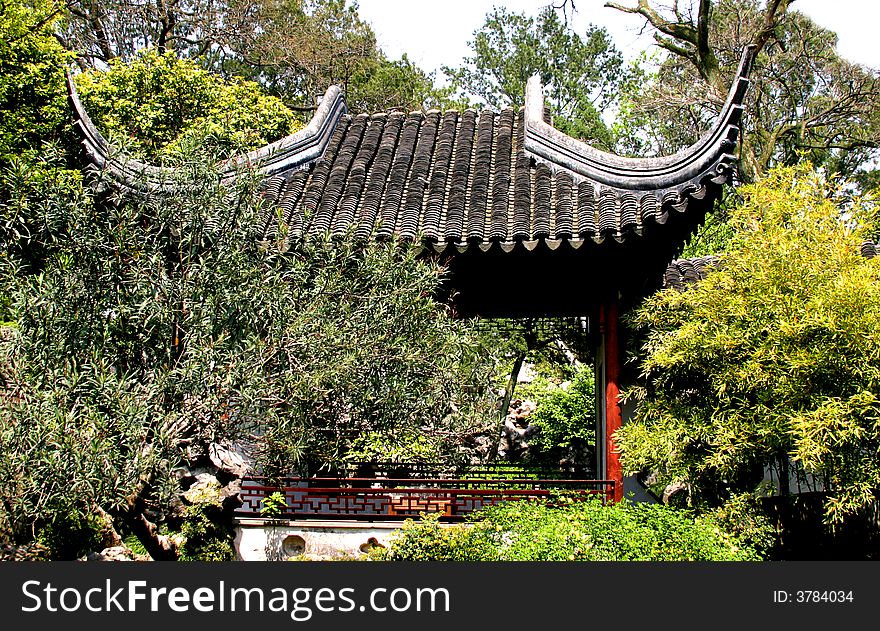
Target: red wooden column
(613,417)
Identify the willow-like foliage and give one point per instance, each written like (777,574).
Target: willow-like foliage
(158,325)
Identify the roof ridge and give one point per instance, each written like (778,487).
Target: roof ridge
(441,112)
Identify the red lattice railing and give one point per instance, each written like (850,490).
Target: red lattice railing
(376,499)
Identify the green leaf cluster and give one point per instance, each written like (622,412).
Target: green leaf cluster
(34,123)
(571,531)
(771,362)
(33,107)
(387,84)
(79,438)
(273,505)
(159,104)
(564,415)
(208,537)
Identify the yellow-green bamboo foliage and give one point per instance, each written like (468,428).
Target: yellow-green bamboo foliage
(772,359)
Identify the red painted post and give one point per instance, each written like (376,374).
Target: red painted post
(613,418)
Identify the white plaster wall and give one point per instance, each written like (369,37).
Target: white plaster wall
(256,540)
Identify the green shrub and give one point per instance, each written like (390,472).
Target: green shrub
(208,536)
(134,544)
(572,531)
(429,540)
(564,416)
(33,107)
(273,505)
(771,359)
(68,536)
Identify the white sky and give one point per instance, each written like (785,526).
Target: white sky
(436,33)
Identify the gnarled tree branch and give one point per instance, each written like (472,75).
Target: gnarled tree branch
(683,38)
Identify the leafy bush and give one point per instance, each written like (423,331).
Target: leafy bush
(79,440)
(770,361)
(429,540)
(744,516)
(161,104)
(208,535)
(273,505)
(564,415)
(69,535)
(33,107)
(572,531)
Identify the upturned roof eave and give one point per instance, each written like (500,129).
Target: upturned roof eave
(710,157)
(290,152)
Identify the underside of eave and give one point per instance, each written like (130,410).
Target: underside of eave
(560,282)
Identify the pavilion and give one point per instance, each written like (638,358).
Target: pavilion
(507,201)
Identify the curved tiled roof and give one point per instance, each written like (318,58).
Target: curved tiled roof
(511,201)
(683,272)
(458,178)
(463,178)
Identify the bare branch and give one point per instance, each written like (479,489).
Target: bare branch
(679,30)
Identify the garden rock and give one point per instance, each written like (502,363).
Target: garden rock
(674,489)
(514,442)
(115,553)
(519,411)
(231,460)
(230,495)
(206,490)
(187,476)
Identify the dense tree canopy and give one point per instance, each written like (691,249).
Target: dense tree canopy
(771,361)
(32,105)
(160,325)
(157,104)
(581,73)
(805,99)
(293,48)
(153,106)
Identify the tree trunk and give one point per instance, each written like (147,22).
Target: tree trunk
(159,547)
(505,403)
